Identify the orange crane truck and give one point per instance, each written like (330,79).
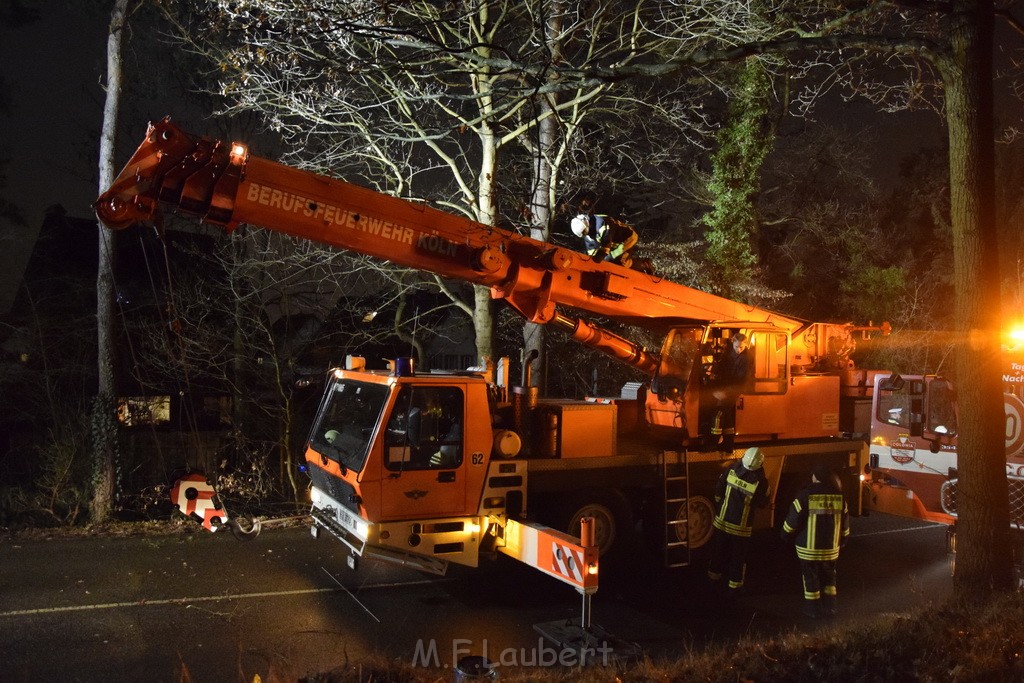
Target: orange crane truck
(428,469)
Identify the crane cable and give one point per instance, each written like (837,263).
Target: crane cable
(174,325)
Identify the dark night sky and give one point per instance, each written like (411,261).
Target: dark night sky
(53,69)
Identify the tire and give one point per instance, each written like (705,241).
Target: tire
(613,520)
(699,513)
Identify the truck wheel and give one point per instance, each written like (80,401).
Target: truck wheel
(612,520)
(699,513)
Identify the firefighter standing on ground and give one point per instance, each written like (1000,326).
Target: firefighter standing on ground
(741,489)
(819,522)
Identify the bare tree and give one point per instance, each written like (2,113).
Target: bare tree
(257,316)
(104,420)
(448,102)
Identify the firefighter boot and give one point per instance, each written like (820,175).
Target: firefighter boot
(828,606)
(711,441)
(811,609)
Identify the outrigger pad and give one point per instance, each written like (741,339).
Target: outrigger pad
(196,498)
(592,646)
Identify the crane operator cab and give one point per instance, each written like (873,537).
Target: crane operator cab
(735,377)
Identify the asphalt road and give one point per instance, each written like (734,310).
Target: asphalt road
(284,605)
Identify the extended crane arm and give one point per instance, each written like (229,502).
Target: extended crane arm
(223,184)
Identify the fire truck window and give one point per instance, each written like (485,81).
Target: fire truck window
(346,422)
(894,408)
(678,354)
(425,429)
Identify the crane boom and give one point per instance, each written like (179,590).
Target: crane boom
(224,184)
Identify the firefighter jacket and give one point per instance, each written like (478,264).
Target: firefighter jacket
(739,492)
(819,520)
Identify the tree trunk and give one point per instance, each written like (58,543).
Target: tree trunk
(540,221)
(983,550)
(104,422)
(542,198)
(483,323)
(483,306)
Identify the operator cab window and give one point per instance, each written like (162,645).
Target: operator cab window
(767,354)
(425,429)
(769,351)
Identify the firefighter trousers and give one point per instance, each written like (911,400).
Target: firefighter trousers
(819,579)
(729,556)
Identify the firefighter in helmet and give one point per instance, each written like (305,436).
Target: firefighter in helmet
(603,237)
(819,523)
(742,489)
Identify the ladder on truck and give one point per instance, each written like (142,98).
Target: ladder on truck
(675,477)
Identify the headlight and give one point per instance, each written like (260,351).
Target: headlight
(362,529)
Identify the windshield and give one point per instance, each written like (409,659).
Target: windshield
(678,352)
(348,415)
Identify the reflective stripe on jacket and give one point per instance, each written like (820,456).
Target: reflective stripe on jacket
(820,520)
(739,491)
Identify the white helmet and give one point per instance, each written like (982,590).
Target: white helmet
(753,458)
(580,225)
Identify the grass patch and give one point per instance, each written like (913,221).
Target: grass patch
(939,644)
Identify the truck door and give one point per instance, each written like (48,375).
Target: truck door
(759,409)
(424,473)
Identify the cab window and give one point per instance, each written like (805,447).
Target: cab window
(894,407)
(425,429)
(769,353)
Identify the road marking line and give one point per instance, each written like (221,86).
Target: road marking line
(207,598)
(897,531)
(351,594)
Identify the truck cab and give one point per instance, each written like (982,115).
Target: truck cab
(399,459)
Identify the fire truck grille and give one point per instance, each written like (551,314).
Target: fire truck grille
(337,489)
(1016,491)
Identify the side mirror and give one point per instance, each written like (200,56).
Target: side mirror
(668,388)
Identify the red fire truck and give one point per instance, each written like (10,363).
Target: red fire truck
(913,446)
